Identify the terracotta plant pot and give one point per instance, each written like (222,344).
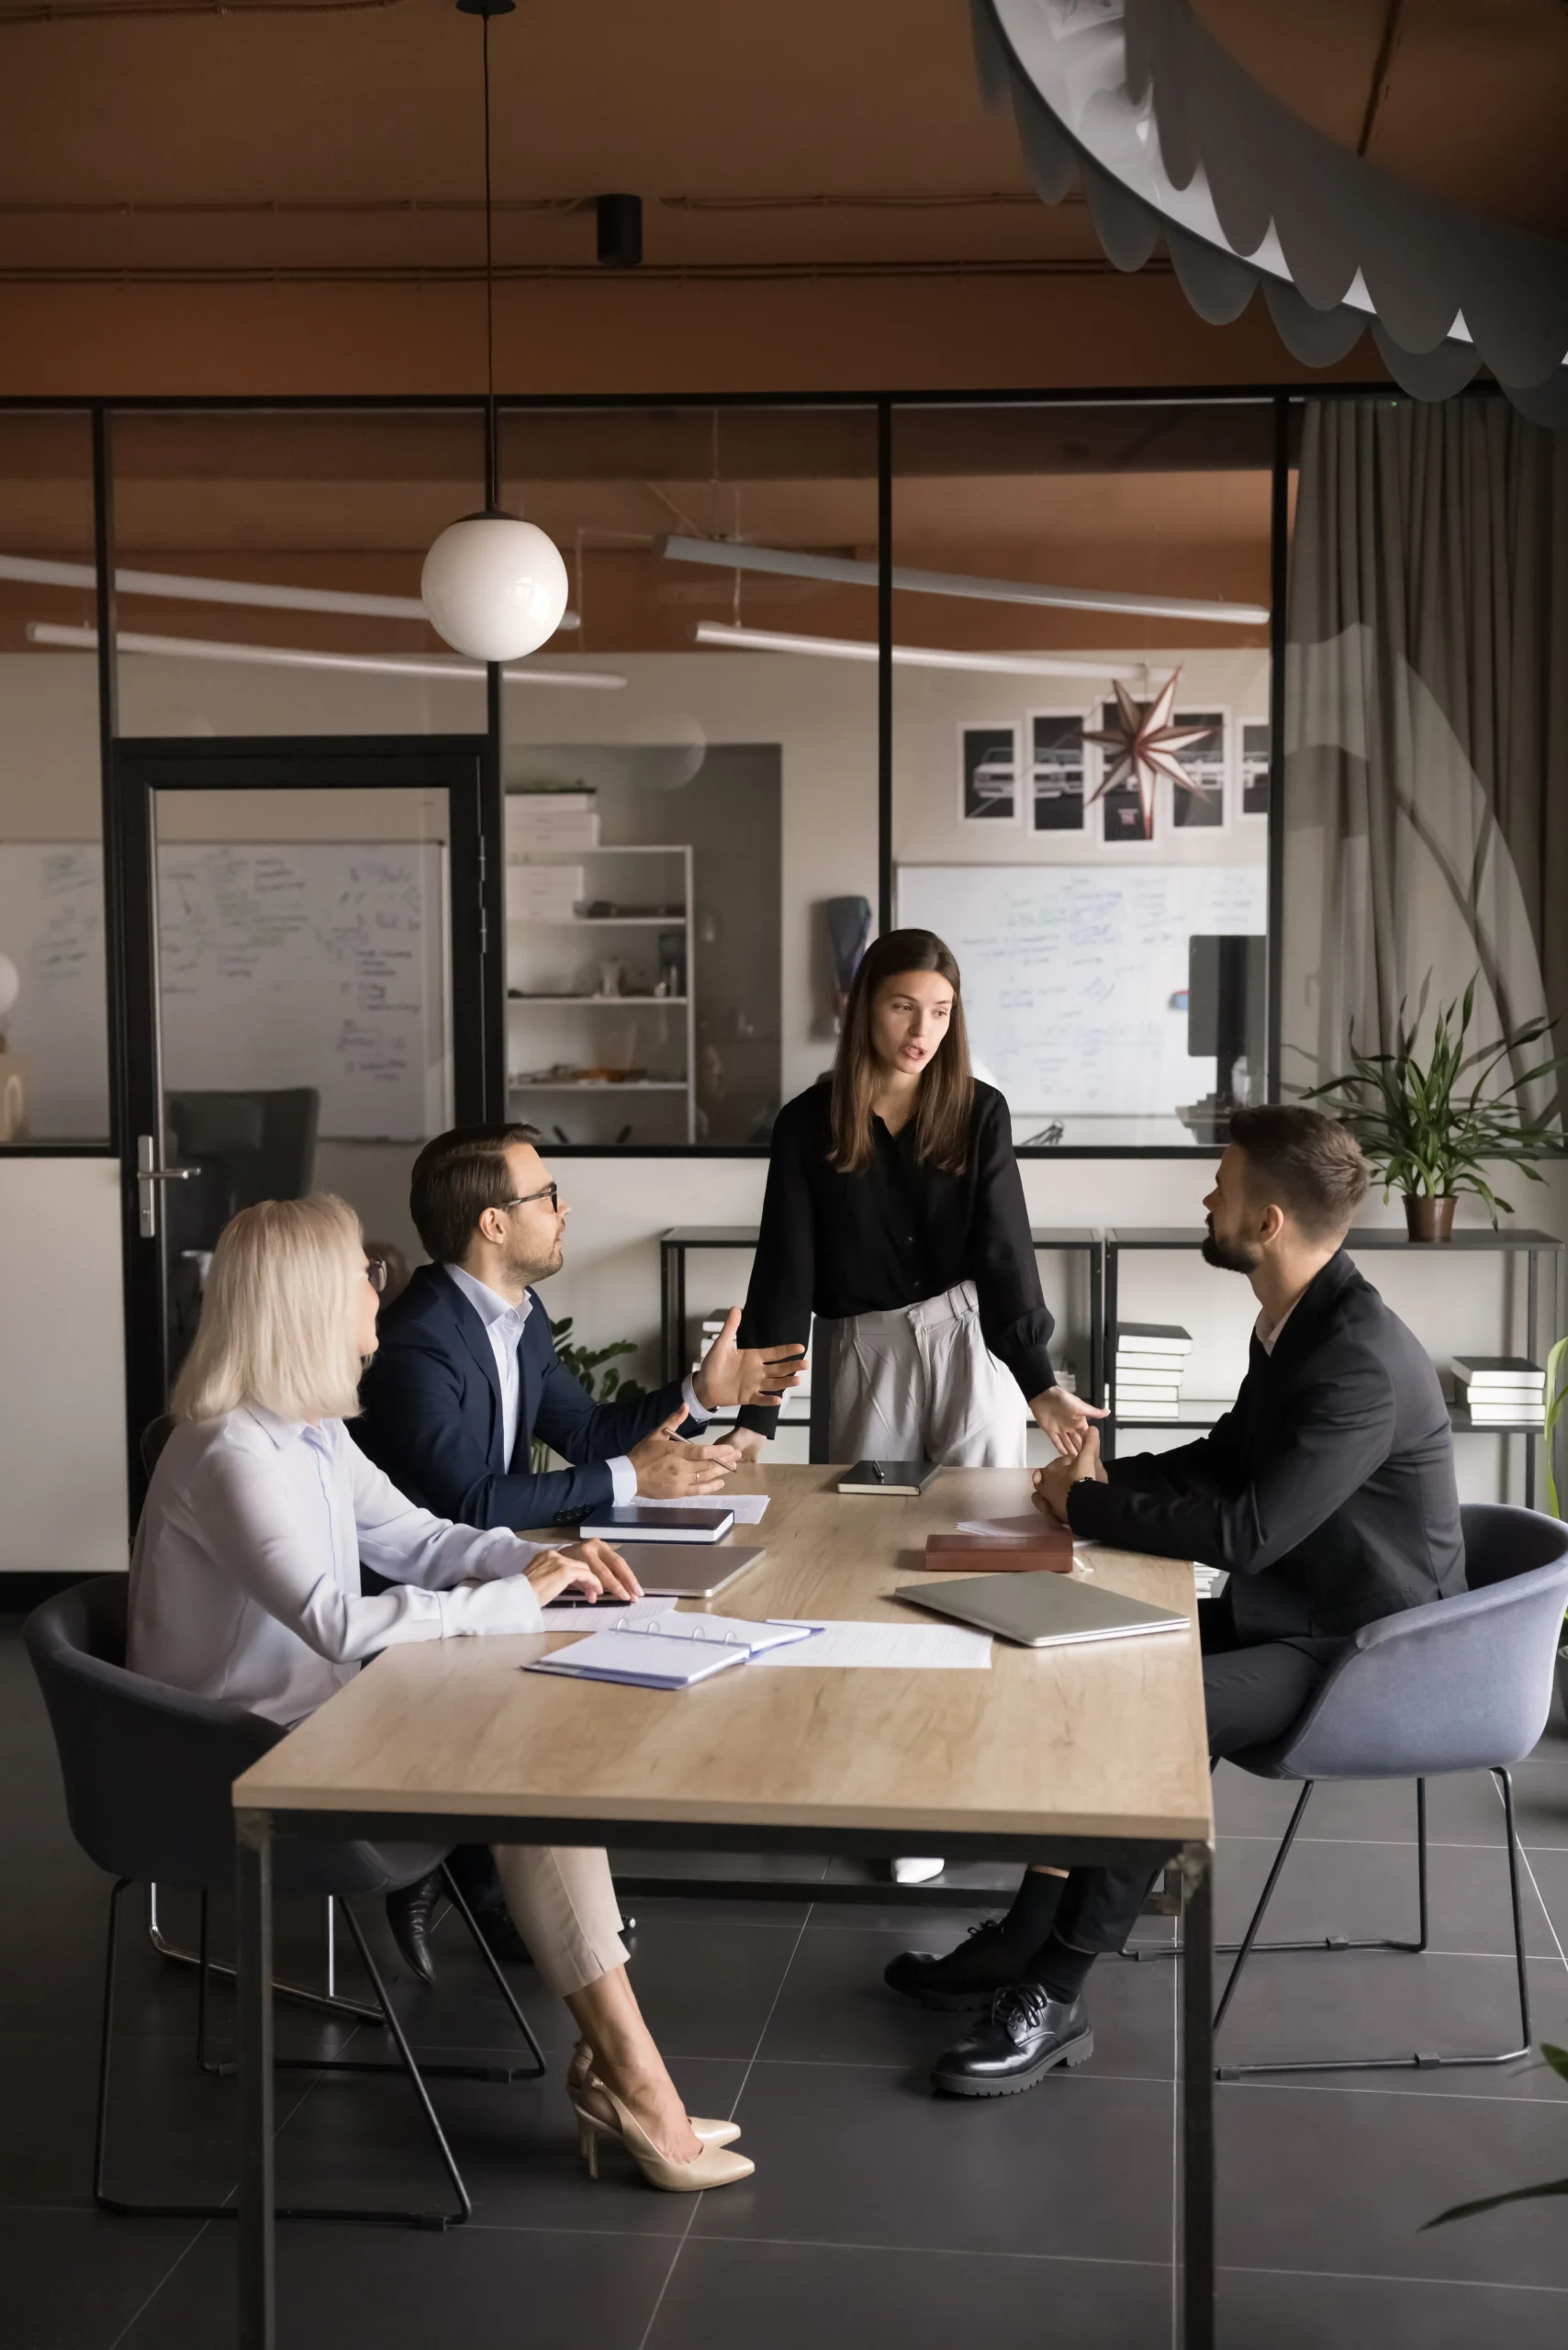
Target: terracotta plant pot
(1427,1219)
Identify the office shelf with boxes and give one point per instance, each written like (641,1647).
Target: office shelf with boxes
(600,1038)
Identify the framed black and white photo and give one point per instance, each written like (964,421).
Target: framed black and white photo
(1206,809)
(1056,771)
(987,775)
(1255,761)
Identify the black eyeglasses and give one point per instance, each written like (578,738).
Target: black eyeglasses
(376,1273)
(552,1191)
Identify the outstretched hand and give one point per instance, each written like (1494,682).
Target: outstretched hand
(1066,1419)
(730,1374)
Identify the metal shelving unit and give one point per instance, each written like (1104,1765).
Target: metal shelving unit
(1196,1412)
(522,1000)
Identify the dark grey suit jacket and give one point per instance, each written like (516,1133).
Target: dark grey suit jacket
(1327,1490)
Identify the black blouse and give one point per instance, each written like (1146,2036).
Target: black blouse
(893,1235)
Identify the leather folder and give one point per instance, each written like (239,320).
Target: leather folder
(1049,1551)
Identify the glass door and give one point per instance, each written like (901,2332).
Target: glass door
(304,946)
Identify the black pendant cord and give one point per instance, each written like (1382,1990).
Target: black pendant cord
(492,454)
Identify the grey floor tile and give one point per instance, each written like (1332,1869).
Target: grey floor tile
(847,2156)
(835,2007)
(1361,1890)
(393,2289)
(75,2280)
(1342,2180)
(362,2142)
(778,2296)
(1363,2004)
(1297,2312)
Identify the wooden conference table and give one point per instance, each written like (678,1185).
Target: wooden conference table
(1053,1754)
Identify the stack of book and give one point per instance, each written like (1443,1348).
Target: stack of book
(1498,1390)
(1152,1360)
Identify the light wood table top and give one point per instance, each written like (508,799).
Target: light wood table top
(1104,1740)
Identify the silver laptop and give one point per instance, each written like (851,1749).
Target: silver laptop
(692,1570)
(1042,1611)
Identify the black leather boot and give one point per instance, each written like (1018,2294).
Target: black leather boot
(1025,2036)
(411,1913)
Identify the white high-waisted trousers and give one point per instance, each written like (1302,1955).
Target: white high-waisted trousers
(917,1383)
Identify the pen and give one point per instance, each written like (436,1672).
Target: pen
(877,1472)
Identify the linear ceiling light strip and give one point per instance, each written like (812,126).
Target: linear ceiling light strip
(913,657)
(283,656)
(38,572)
(725,553)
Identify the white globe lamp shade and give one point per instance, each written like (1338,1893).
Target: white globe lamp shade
(494,588)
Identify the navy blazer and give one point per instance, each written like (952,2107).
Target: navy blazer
(431,1415)
(1327,1489)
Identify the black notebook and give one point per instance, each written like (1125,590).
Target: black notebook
(899,1480)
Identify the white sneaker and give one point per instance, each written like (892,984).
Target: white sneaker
(916,1871)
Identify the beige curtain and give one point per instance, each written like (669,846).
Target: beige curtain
(1425,778)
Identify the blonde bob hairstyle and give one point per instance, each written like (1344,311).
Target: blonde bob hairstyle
(278,1317)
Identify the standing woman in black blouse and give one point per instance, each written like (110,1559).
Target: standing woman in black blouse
(894,1213)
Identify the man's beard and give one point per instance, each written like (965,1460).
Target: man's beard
(1230,1255)
(526,1270)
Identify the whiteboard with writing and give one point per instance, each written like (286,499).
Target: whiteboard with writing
(1069,973)
(318,963)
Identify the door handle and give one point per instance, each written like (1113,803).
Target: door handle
(149,1175)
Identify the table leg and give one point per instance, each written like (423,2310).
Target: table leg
(1197,2092)
(254,1964)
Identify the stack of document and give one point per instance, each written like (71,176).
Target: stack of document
(545,821)
(543,893)
(1152,1360)
(669,1652)
(1501,1389)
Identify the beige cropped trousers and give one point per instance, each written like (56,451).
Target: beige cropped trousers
(917,1382)
(563,1904)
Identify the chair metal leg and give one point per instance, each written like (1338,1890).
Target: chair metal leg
(228,2211)
(1421,2061)
(1326,1941)
(327,2002)
(1251,1936)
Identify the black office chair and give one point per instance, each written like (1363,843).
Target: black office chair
(245,1147)
(148,1775)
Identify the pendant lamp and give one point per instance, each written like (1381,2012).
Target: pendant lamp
(493,586)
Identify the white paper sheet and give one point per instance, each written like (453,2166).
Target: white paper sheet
(899,1647)
(602,1618)
(749,1507)
(1014,1530)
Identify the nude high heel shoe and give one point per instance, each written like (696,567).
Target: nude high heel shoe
(714,2166)
(710,2132)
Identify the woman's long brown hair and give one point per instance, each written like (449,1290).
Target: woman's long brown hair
(944,1103)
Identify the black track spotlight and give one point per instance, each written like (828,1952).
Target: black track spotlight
(619,230)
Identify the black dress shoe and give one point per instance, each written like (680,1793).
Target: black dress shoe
(502,1937)
(1026,2034)
(411,1913)
(966,1977)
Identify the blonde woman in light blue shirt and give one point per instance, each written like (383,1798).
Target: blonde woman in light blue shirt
(245,1586)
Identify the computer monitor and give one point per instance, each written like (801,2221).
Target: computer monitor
(1227,980)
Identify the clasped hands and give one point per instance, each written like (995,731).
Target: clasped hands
(1053,1484)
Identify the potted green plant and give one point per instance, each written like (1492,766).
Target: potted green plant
(1429,1127)
(585,1363)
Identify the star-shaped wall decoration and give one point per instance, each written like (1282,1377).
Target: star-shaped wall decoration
(1143,746)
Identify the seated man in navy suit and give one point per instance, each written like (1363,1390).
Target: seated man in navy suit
(466,1376)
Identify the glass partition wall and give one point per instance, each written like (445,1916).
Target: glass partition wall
(692,807)
(702,802)
(1081,633)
